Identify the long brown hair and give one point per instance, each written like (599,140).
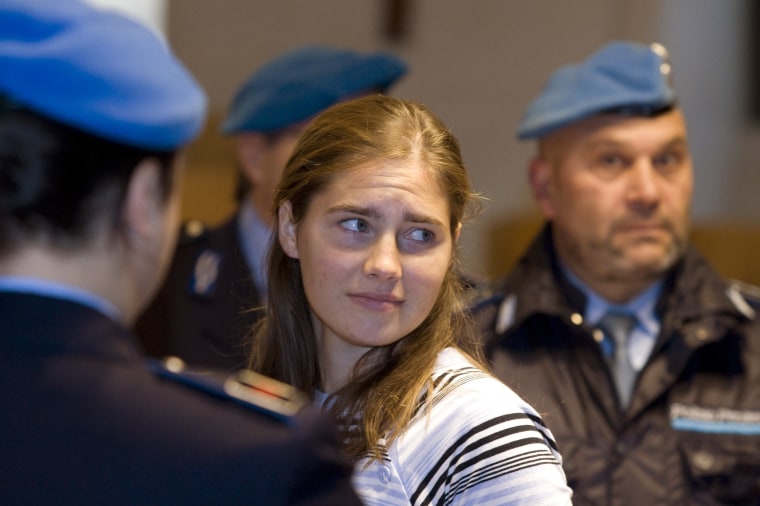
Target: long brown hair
(388,381)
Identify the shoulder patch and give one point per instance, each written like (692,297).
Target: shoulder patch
(205,273)
(247,388)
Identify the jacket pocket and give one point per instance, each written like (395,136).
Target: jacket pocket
(724,469)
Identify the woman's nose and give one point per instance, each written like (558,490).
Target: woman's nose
(384,259)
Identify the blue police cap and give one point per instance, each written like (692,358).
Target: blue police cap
(620,77)
(305,81)
(97,71)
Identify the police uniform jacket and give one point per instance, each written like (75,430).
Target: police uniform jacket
(83,422)
(206,309)
(692,432)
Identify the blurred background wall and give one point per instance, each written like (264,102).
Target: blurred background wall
(477,64)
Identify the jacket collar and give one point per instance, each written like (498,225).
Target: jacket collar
(693,295)
(539,284)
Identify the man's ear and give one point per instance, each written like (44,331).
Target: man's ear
(251,150)
(540,179)
(143,202)
(287,230)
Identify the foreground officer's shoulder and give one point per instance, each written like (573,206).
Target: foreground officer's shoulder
(245,388)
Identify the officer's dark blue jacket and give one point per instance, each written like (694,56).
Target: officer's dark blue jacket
(84,422)
(209,323)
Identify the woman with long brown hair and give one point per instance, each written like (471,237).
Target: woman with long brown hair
(366,315)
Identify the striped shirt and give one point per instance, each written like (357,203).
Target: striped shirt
(479,444)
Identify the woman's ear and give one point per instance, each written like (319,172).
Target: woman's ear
(287,229)
(457,232)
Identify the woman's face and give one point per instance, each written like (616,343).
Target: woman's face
(374,248)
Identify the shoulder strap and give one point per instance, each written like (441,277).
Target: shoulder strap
(745,297)
(246,388)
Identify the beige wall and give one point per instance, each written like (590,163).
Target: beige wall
(477,64)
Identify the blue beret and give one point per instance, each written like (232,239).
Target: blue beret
(620,77)
(97,71)
(305,81)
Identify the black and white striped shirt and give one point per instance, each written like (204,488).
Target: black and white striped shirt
(479,444)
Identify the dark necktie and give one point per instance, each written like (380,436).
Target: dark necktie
(617,327)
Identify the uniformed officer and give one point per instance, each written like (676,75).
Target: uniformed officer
(206,310)
(94,112)
(644,363)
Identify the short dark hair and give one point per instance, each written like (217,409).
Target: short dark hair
(57,182)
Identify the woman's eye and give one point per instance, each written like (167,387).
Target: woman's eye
(354,225)
(420,234)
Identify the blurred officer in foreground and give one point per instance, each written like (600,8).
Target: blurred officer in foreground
(206,310)
(94,111)
(642,361)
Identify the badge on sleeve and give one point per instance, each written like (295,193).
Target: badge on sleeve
(205,273)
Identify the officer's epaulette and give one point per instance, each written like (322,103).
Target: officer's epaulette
(246,388)
(745,297)
(191,232)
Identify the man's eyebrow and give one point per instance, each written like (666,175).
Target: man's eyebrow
(676,141)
